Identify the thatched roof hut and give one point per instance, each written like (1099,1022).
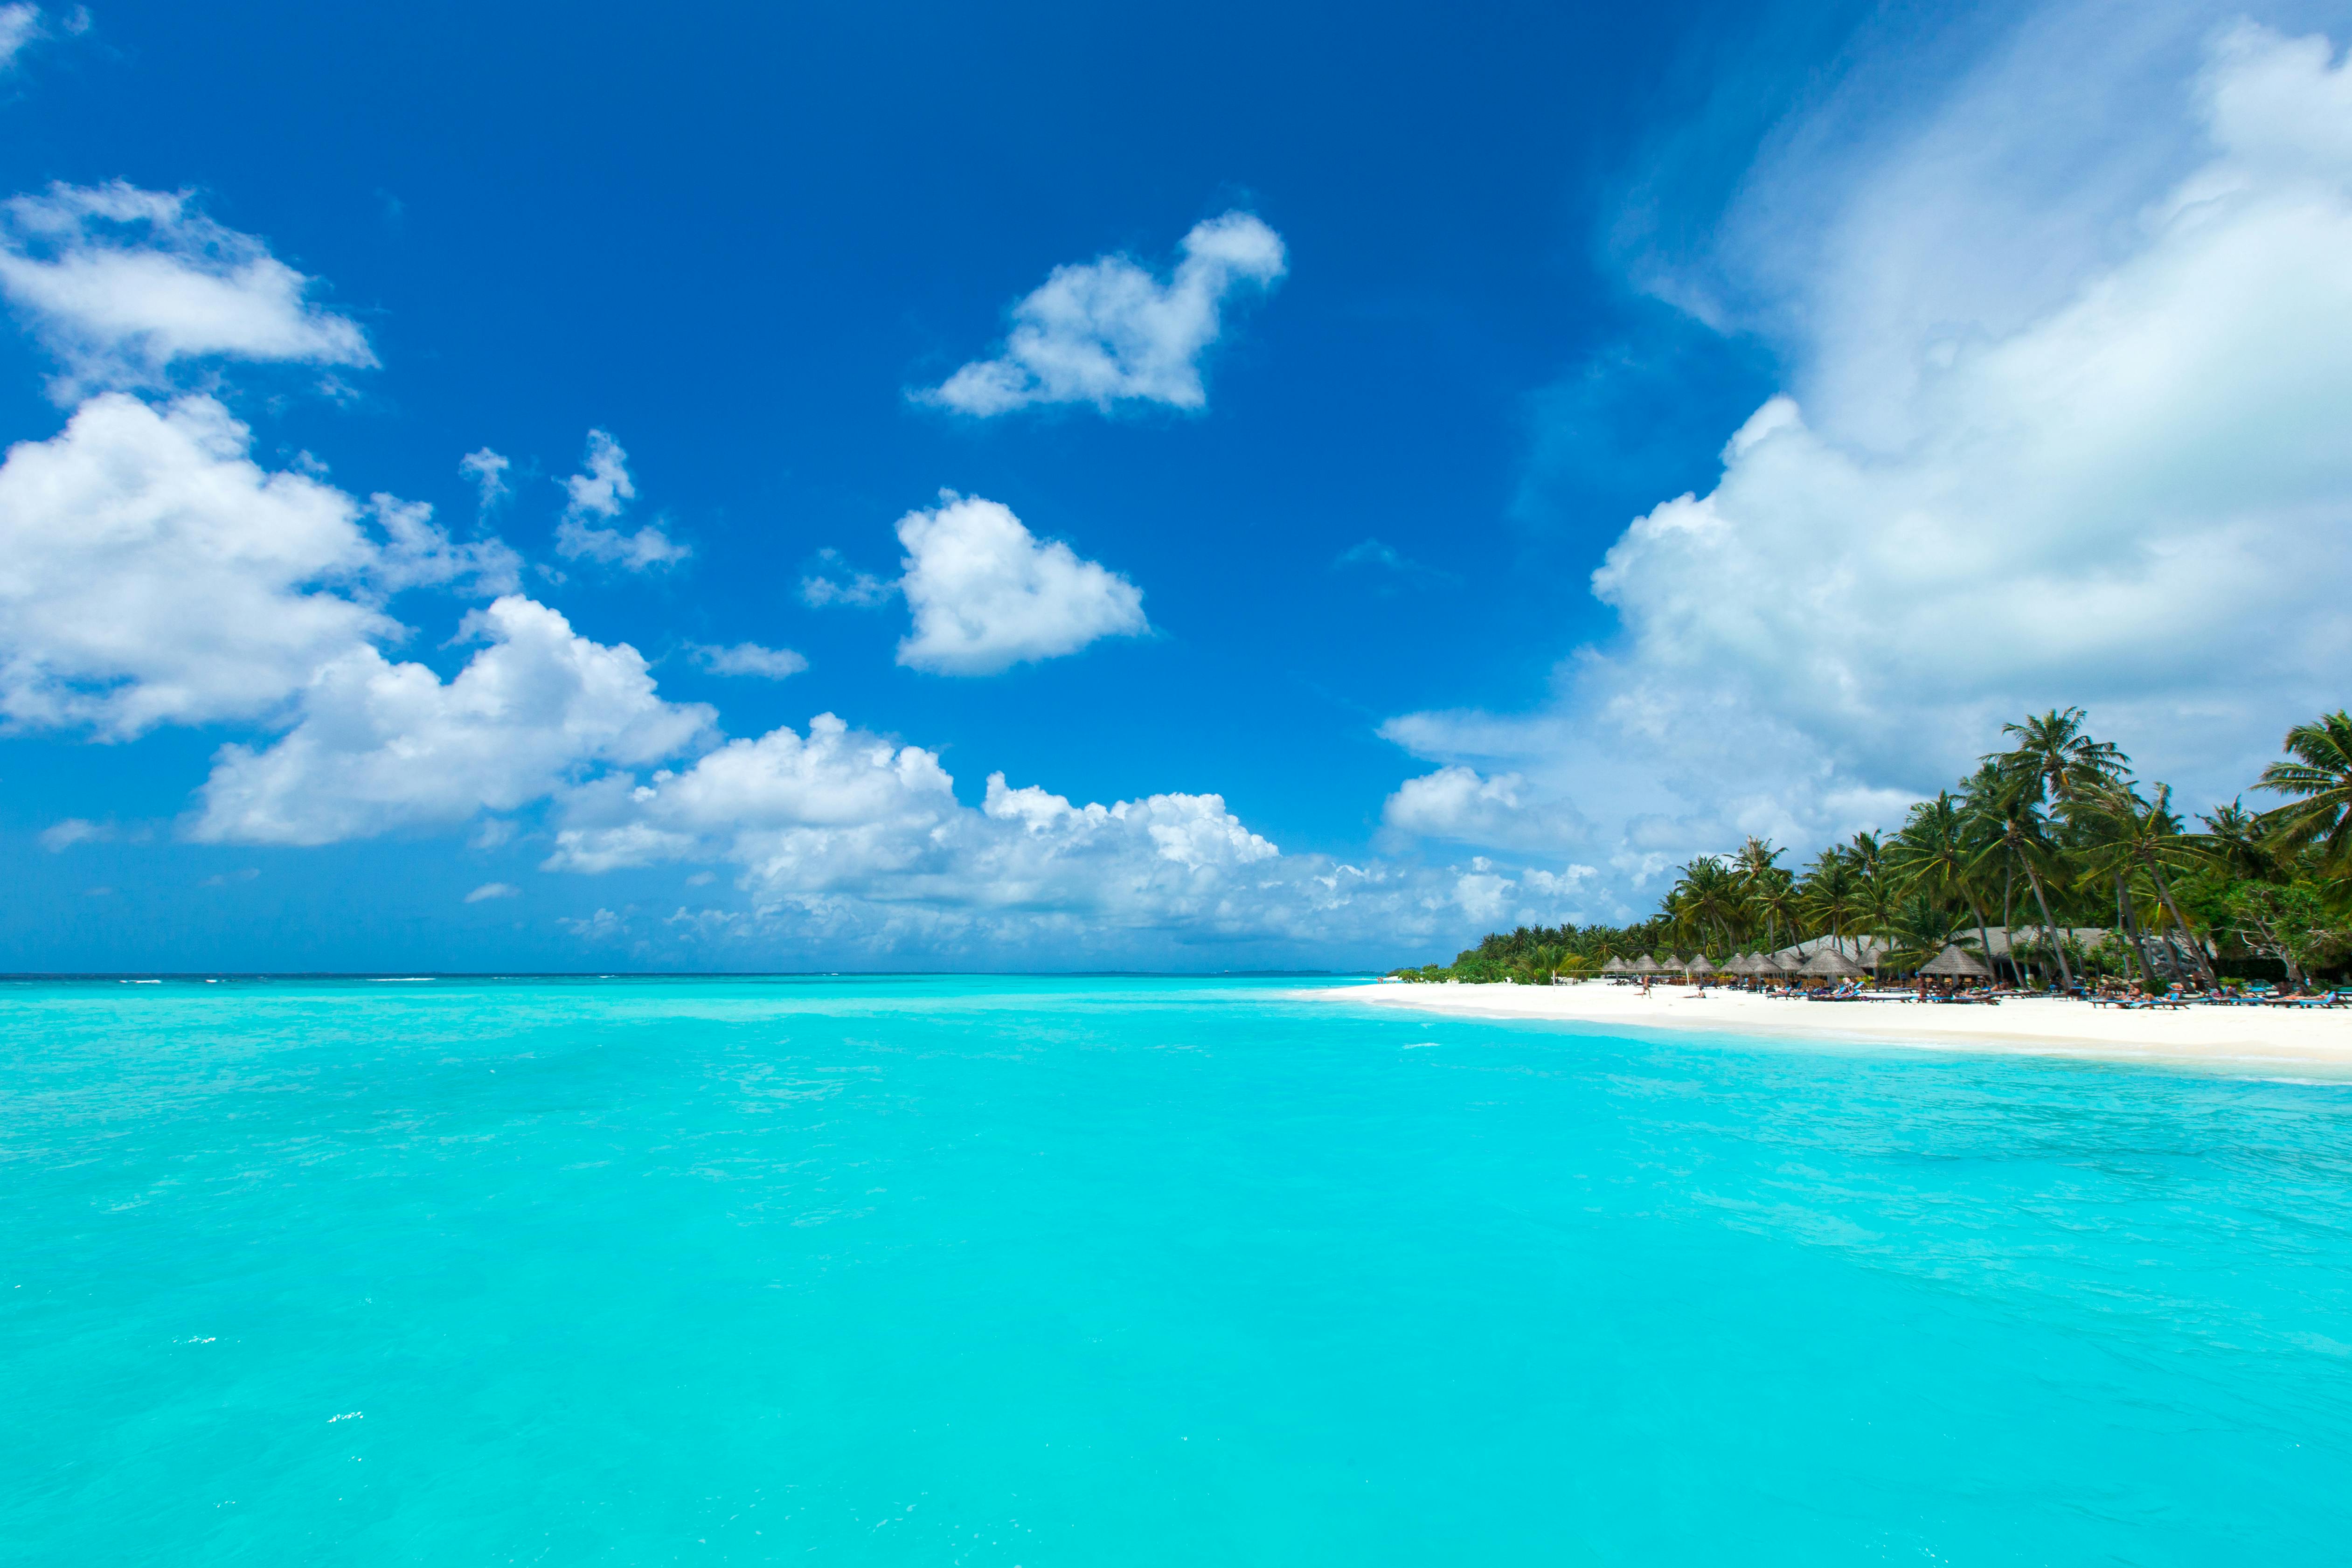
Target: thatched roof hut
(1615,965)
(1831,962)
(1645,964)
(1959,962)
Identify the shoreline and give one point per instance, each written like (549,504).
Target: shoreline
(2233,1037)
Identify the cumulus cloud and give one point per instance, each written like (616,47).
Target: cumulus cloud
(381,746)
(987,593)
(839,834)
(1107,330)
(1458,804)
(151,573)
(748,658)
(594,500)
(2130,491)
(122,284)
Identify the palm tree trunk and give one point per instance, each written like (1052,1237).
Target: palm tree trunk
(1984,937)
(2127,919)
(2009,922)
(2164,891)
(2049,926)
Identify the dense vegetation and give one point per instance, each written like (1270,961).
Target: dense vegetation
(2048,836)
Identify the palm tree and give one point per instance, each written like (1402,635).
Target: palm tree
(2055,752)
(2023,839)
(1862,853)
(2053,761)
(1754,859)
(1918,930)
(1772,895)
(2124,833)
(1830,893)
(2236,837)
(2321,777)
(1982,795)
(1708,895)
(1877,898)
(1932,854)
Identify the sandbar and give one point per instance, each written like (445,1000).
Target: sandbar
(2263,1039)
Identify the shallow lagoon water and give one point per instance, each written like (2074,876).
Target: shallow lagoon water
(1035,1272)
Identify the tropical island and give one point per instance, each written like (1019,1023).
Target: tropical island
(2050,867)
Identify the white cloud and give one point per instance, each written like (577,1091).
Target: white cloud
(151,573)
(600,495)
(73,830)
(987,593)
(1455,804)
(383,746)
(20,25)
(122,284)
(416,554)
(602,926)
(2131,492)
(861,589)
(493,890)
(1107,331)
(487,469)
(23,25)
(748,658)
(843,836)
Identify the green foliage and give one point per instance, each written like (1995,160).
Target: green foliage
(2049,838)
(2294,923)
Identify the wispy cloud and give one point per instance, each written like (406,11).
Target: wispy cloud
(748,658)
(62,836)
(23,25)
(488,470)
(597,497)
(1390,566)
(862,590)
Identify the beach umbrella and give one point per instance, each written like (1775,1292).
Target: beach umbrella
(1829,961)
(1955,960)
(1697,963)
(1747,963)
(1645,964)
(1615,965)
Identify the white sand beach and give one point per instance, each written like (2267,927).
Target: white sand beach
(2263,1039)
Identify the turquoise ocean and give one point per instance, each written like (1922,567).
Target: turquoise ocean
(1134,1272)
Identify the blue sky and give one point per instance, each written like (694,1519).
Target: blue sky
(1283,554)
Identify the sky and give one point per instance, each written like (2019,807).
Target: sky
(895,486)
